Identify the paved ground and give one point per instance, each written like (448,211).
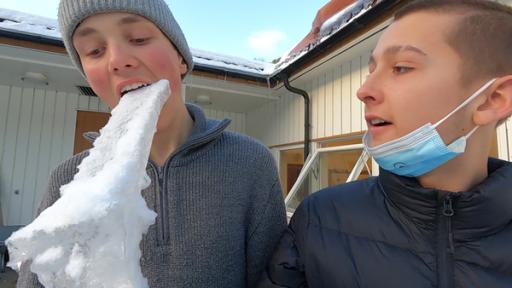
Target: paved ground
(8,279)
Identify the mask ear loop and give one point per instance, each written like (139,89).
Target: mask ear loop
(470,98)
(471,132)
(366,154)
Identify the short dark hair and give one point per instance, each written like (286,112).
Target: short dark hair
(482,37)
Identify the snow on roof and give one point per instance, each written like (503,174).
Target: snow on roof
(232,63)
(329,28)
(25,23)
(29,24)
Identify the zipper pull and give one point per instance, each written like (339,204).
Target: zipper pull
(449,212)
(447,207)
(160,173)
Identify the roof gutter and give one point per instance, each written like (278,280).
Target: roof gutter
(31,37)
(231,73)
(307,126)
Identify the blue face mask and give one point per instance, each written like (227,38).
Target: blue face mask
(423,149)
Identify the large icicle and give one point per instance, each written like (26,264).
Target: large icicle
(90,236)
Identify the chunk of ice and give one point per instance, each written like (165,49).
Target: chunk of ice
(90,236)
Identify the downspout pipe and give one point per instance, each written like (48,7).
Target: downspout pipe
(307,126)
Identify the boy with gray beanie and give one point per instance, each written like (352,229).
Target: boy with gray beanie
(217,194)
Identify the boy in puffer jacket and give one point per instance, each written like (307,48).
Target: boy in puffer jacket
(440,212)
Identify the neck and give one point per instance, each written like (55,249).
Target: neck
(170,137)
(461,173)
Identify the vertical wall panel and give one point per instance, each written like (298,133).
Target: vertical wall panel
(508,150)
(4,106)
(279,118)
(346,97)
(30,178)
(336,101)
(283,117)
(296,112)
(58,129)
(274,124)
(94,104)
(329,101)
(303,115)
(69,126)
(43,161)
(20,158)
(292,116)
(289,117)
(321,106)
(9,150)
(364,73)
(356,104)
(503,143)
(314,108)
(83,103)
(237,119)
(36,133)
(43,157)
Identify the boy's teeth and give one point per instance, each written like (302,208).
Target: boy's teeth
(379,122)
(133,87)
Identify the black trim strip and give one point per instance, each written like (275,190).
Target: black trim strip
(31,38)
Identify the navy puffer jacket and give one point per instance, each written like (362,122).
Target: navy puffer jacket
(389,232)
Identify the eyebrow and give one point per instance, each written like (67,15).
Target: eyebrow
(393,50)
(123,21)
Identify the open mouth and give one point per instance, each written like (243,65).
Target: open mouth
(379,122)
(133,87)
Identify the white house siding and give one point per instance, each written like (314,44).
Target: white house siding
(237,119)
(504,135)
(36,133)
(335,109)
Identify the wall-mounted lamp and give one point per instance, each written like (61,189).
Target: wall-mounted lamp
(35,78)
(203,100)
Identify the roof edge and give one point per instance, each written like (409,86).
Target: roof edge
(271,79)
(340,35)
(14,34)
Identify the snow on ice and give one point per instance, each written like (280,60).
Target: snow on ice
(90,236)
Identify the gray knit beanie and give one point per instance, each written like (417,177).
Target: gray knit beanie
(73,12)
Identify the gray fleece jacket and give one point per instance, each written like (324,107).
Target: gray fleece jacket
(219,205)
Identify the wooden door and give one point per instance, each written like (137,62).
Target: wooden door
(292,173)
(87,121)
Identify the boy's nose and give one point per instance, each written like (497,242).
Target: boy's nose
(368,92)
(121,60)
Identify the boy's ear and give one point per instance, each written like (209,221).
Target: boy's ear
(183,67)
(498,103)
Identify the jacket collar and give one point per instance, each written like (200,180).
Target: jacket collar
(479,212)
(203,132)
